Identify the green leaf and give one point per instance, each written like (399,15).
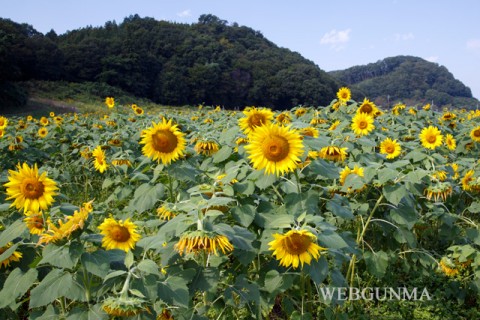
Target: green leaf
(265,181)
(62,257)
(51,313)
(404,215)
(107,183)
(324,169)
(206,279)
(318,269)
(222,154)
(386,174)
(245,188)
(299,203)
(149,267)
(9,251)
(174,290)
(474,207)
(114,274)
(331,240)
(377,263)
(276,282)
(5,206)
(97,262)
(416,156)
(12,231)
(244,214)
(417,175)
(16,285)
(248,292)
(54,285)
(395,193)
(339,210)
(145,197)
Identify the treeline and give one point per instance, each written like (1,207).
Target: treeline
(211,62)
(406,78)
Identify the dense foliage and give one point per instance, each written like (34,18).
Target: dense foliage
(404,78)
(169,63)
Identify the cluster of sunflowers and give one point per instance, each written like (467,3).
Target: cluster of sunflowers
(273,194)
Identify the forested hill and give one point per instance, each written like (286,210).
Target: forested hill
(406,79)
(210,62)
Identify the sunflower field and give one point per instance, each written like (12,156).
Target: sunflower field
(205,213)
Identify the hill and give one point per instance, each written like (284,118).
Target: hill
(211,62)
(407,79)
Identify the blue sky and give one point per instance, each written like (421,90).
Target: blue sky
(333,34)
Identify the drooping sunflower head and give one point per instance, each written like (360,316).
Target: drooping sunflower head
(165,213)
(344,95)
(255,118)
(362,124)
(203,241)
(163,142)
(116,142)
(475,134)
(295,248)
(121,162)
(14,256)
(438,190)
(426,107)
(118,234)
(448,116)
(397,108)
(470,182)
(42,132)
(30,190)
(206,147)
(450,142)
(165,315)
(124,306)
(431,137)
(300,112)
(99,159)
(110,102)
(367,107)
(391,148)
(66,228)
(275,148)
(333,153)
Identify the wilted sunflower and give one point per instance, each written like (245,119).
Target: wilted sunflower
(475,134)
(110,102)
(333,153)
(118,234)
(163,142)
(124,306)
(295,248)
(165,214)
(255,118)
(206,147)
(15,256)
(121,162)
(99,161)
(450,142)
(362,124)
(391,148)
(30,190)
(203,241)
(367,107)
(165,315)
(3,122)
(42,132)
(439,190)
(344,95)
(274,148)
(431,137)
(35,223)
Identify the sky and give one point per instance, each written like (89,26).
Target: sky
(333,34)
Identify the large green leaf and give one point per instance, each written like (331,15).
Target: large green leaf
(377,263)
(16,285)
(54,285)
(174,291)
(11,232)
(244,214)
(145,197)
(62,256)
(395,193)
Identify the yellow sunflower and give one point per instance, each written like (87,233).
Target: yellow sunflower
(207,147)
(15,256)
(52,114)
(300,112)
(110,102)
(35,223)
(362,124)
(165,214)
(347,171)
(333,153)
(44,121)
(344,95)
(99,161)
(391,148)
(118,234)
(448,267)
(2,132)
(475,134)
(163,142)
(3,122)
(310,132)
(274,148)
(368,107)
(30,190)
(138,111)
(255,118)
(42,132)
(284,118)
(295,248)
(202,241)
(426,107)
(334,125)
(121,162)
(467,178)
(431,137)
(450,142)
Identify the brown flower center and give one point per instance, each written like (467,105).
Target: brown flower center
(362,124)
(275,148)
(164,141)
(119,233)
(256,119)
(366,108)
(431,138)
(296,243)
(32,188)
(390,148)
(476,133)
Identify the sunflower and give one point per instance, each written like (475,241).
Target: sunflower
(163,142)
(334,125)
(115,142)
(52,114)
(99,161)
(284,118)
(344,95)
(138,111)
(362,124)
(165,214)
(15,255)
(475,134)
(448,267)
(448,116)
(274,148)
(165,315)
(42,132)
(110,102)
(295,247)
(300,112)
(35,223)
(32,191)
(202,241)
(2,132)
(426,107)
(391,148)
(412,111)
(333,153)
(397,108)
(431,137)
(367,107)
(469,182)
(44,121)
(450,142)
(347,171)
(310,132)
(124,306)
(207,147)
(3,122)
(254,118)
(454,167)
(65,228)
(118,234)
(440,190)
(121,162)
